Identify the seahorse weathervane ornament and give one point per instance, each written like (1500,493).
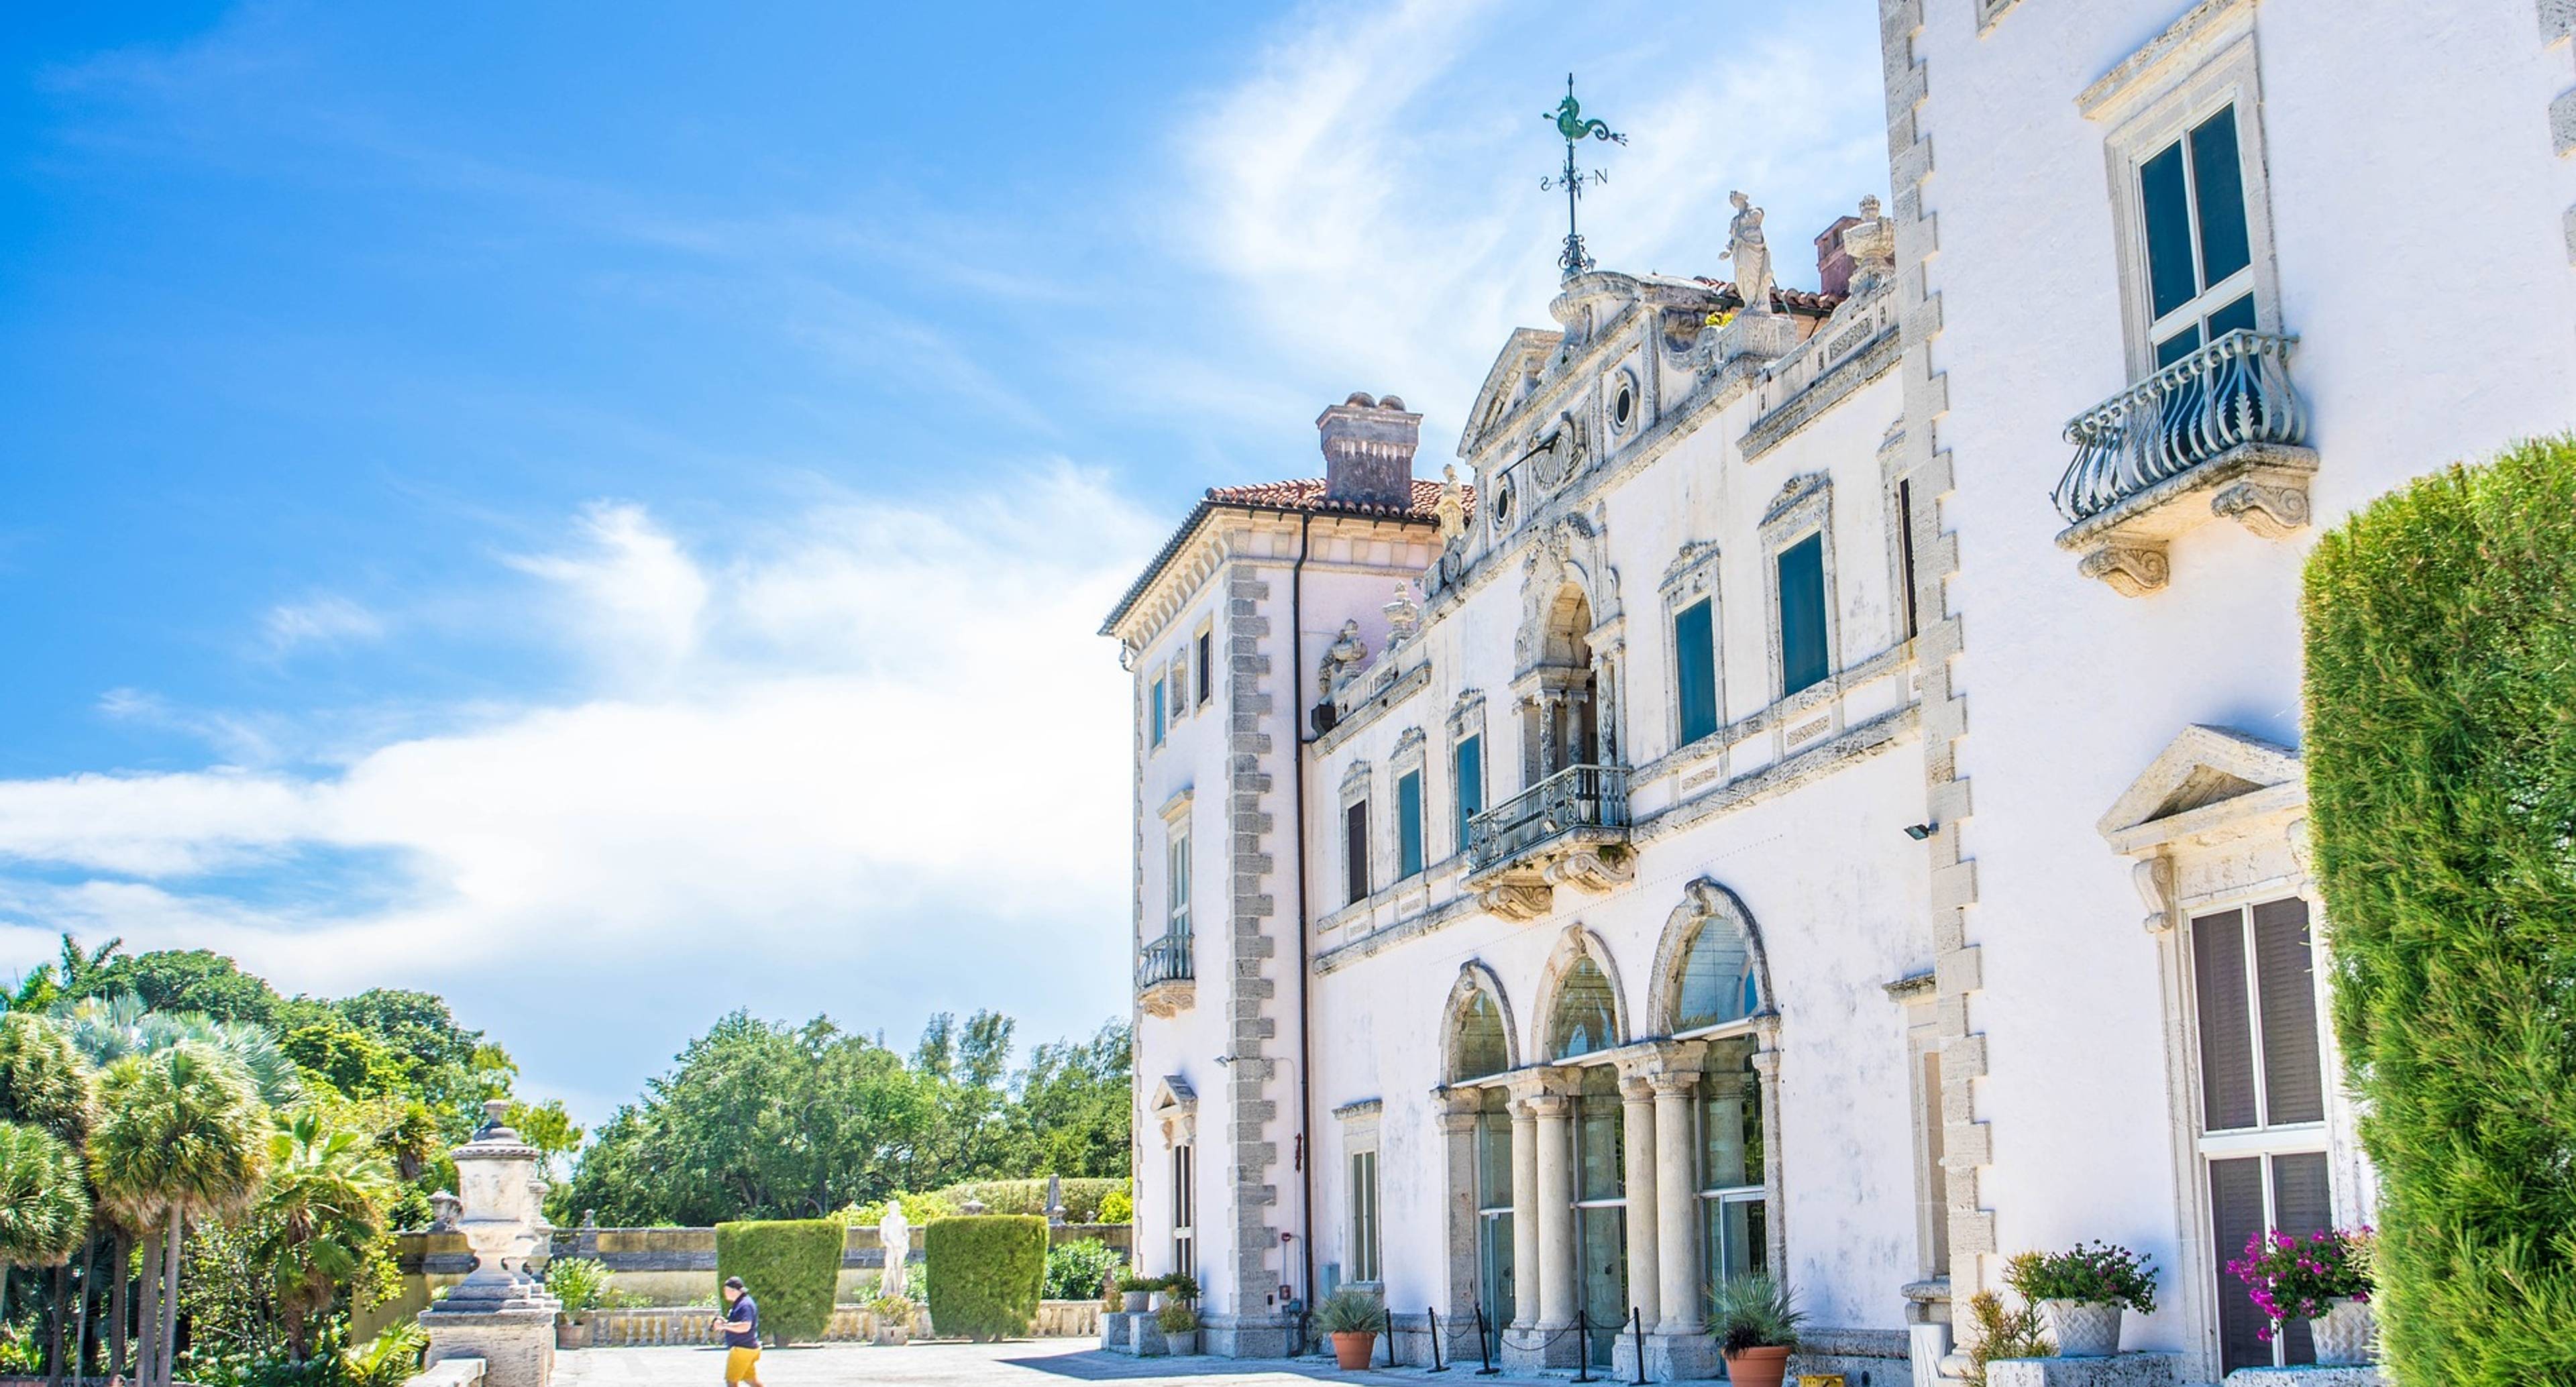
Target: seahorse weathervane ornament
(1571,123)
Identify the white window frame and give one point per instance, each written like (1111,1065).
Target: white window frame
(1467,719)
(2229,77)
(1176,882)
(1693,575)
(1203,653)
(1363,1208)
(1355,790)
(1793,517)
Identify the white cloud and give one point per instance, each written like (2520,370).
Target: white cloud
(875,729)
(323,619)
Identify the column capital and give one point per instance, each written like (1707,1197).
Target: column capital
(1539,1081)
(1767,1064)
(1457,1108)
(1647,1059)
(1675,1083)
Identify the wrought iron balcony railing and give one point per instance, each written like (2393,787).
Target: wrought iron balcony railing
(1572,800)
(2233,392)
(1165,960)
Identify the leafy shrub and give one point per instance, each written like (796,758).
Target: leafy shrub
(2292,1279)
(1177,1318)
(1753,1312)
(1133,1282)
(581,1283)
(2101,1273)
(1074,1270)
(1081,1197)
(918,1209)
(2441,755)
(387,1360)
(1350,1310)
(986,1273)
(1117,1206)
(790,1268)
(2002,1333)
(1183,1286)
(892,1309)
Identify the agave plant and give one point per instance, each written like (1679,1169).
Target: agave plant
(1753,1312)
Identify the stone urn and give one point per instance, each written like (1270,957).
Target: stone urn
(2083,1328)
(2345,1334)
(1183,1345)
(1136,1301)
(1763,1365)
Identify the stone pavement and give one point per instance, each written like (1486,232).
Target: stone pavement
(1022,1363)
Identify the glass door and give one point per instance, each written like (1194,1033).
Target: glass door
(1601,1209)
(1494,1289)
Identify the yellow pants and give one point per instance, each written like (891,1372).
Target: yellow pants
(741,1365)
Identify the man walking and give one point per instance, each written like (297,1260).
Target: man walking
(741,1325)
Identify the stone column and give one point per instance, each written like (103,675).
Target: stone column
(1645,1231)
(1458,1109)
(1679,1347)
(1542,1225)
(1766,1070)
(1556,1289)
(1525,1245)
(499,1313)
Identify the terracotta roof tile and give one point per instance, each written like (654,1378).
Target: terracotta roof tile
(1296,494)
(1782,300)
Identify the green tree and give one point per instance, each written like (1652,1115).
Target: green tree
(547,1127)
(44,1203)
(182,1137)
(187,980)
(319,1215)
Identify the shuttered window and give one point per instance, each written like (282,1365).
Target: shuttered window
(1408,825)
(1156,712)
(1695,669)
(1355,850)
(1802,614)
(1471,784)
(1364,1232)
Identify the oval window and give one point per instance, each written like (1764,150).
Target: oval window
(1624,407)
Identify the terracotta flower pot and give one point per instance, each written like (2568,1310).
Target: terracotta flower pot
(576,1333)
(1351,1351)
(2083,1328)
(1758,1367)
(2345,1334)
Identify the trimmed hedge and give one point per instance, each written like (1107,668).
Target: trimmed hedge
(985,1273)
(790,1267)
(2441,750)
(1081,1197)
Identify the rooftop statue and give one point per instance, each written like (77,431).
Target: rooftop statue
(1751,254)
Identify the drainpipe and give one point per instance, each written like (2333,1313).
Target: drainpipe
(1305,1011)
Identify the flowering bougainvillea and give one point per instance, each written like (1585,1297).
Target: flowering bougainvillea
(2292,1278)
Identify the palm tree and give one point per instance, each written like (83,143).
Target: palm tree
(44,1203)
(325,1202)
(46,1084)
(184,1137)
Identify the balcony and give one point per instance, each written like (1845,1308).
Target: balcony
(1570,829)
(2217,435)
(1166,983)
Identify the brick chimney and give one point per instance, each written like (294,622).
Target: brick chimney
(1834,265)
(1368,451)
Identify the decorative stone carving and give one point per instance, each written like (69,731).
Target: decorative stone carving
(1342,660)
(1403,616)
(894,1234)
(1452,506)
(2271,512)
(1872,244)
(498,1313)
(1590,871)
(1751,254)
(2154,879)
(445,1210)
(2132,570)
(1518,902)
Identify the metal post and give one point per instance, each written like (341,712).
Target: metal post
(1484,1344)
(1639,1316)
(1389,1316)
(1433,1313)
(1582,1344)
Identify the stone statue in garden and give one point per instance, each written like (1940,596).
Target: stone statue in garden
(1751,254)
(895,1235)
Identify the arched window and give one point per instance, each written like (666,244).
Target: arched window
(1479,1048)
(1717,982)
(1586,1015)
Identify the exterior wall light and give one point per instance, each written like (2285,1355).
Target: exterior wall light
(1919,832)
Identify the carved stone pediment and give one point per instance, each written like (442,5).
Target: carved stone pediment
(2210,783)
(1174,1107)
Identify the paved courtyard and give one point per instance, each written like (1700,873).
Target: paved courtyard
(1024,1363)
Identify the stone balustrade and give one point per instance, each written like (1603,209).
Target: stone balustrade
(658,1325)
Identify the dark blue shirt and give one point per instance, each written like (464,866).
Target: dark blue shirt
(742,1323)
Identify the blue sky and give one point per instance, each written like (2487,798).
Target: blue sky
(600,510)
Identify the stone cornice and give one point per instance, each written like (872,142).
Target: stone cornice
(2204,23)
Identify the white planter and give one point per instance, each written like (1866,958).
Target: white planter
(2346,1335)
(2083,1328)
(1135,1301)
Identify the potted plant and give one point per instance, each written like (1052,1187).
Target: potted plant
(1137,1291)
(2324,1279)
(1350,1317)
(1182,1287)
(581,1284)
(1755,1322)
(2081,1293)
(1180,1326)
(894,1319)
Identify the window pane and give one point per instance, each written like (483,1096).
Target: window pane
(1585,1020)
(1355,849)
(1802,614)
(2221,186)
(1695,670)
(1599,1145)
(1408,824)
(1471,784)
(1493,1160)
(1605,1278)
(2226,1030)
(1730,1120)
(1207,673)
(2301,1205)
(2236,1219)
(1479,1050)
(1717,978)
(2239,314)
(1905,555)
(2178,346)
(2293,1075)
(2161,193)
(1157,712)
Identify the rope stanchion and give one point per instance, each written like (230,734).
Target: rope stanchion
(1389,1316)
(1434,1312)
(1582,1344)
(1485,1344)
(1640,1320)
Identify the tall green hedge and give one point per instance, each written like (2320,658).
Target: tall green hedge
(2441,749)
(790,1267)
(985,1273)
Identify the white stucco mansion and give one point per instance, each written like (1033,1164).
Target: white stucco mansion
(1795,800)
